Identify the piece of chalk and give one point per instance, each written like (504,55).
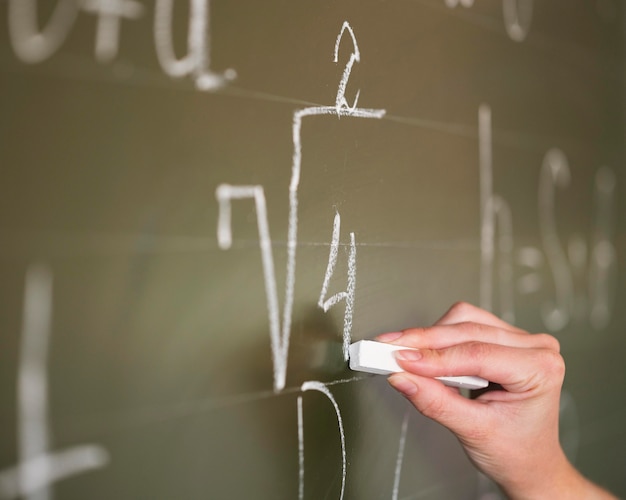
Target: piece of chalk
(377,357)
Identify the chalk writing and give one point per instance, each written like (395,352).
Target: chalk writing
(355,56)
(32,45)
(300,449)
(601,279)
(400,457)
(280,341)
(602,269)
(197,61)
(555,173)
(320,387)
(38,468)
(517,18)
(110,13)
(348,294)
(495,214)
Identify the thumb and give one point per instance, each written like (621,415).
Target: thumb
(438,402)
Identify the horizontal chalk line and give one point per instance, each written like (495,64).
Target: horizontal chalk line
(141,78)
(105,424)
(15,245)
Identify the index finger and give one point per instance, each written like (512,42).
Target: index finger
(442,336)
(516,369)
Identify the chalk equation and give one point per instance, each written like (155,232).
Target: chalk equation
(595,260)
(34,44)
(39,467)
(280,330)
(280,336)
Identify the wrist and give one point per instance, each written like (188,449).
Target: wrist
(556,478)
(562,481)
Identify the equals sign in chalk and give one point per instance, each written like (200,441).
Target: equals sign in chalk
(377,357)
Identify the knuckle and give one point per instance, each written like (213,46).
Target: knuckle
(558,363)
(414,329)
(468,327)
(554,364)
(550,342)
(471,329)
(414,332)
(460,310)
(476,350)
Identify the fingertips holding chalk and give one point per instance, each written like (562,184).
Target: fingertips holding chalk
(389,336)
(409,355)
(379,358)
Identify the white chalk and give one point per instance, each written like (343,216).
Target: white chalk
(377,357)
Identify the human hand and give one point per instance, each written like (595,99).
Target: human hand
(510,433)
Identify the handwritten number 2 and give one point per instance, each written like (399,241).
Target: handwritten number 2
(355,56)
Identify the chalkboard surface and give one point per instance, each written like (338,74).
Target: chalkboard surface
(202,203)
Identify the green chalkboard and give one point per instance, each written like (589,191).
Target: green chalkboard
(203,202)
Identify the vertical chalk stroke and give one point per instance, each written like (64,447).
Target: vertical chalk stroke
(400,457)
(602,268)
(38,468)
(224,194)
(350,298)
(320,387)
(518,15)
(348,294)
(555,172)
(280,331)
(495,215)
(110,14)
(300,450)
(330,268)
(487,218)
(197,62)
(577,251)
(30,43)
(497,206)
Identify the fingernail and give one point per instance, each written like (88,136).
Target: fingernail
(408,355)
(403,385)
(389,337)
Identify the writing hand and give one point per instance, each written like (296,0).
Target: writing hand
(510,433)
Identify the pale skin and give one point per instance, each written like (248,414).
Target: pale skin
(512,434)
